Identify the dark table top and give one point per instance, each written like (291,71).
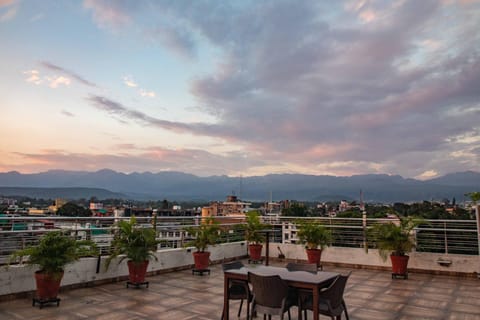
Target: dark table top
(285,274)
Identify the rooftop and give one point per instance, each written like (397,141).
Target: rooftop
(370,294)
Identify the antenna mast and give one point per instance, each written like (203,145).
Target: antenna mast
(240,193)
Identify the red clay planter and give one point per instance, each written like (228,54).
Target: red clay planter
(48,285)
(137,271)
(255,251)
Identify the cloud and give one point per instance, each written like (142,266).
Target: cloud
(10,8)
(110,14)
(33,76)
(6,3)
(132,158)
(37,17)
(176,39)
(67,113)
(128,81)
(380,85)
(71,74)
(124,113)
(54,82)
(429,174)
(145,93)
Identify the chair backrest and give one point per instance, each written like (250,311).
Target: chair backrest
(268,291)
(334,293)
(232,265)
(309,267)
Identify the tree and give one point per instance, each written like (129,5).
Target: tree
(165,204)
(352,213)
(71,209)
(474,196)
(296,210)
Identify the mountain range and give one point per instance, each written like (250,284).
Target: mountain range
(187,187)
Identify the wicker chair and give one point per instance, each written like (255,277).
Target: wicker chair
(302,294)
(331,302)
(238,289)
(271,296)
(309,267)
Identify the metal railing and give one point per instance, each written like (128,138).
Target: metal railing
(438,236)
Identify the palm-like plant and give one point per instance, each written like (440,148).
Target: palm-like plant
(204,235)
(313,234)
(253,226)
(54,251)
(133,242)
(474,196)
(395,239)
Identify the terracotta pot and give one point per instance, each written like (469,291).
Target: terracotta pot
(255,251)
(202,260)
(137,271)
(399,264)
(48,284)
(314,256)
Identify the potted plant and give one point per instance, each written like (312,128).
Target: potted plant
(475,197)
(138,245)
(54,251)
(395,239)
(254,238)
(207,233)
(315,237)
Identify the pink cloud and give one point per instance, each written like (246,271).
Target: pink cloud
(108,13)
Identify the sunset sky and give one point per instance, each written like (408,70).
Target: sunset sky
(241,87)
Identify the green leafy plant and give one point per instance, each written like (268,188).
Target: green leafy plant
(133,242)
(207,233)
(252,228)
(395,239)
(313,234)
(54,251)
(474,196)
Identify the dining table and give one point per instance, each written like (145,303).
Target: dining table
(295,279)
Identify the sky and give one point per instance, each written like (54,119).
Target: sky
(241,88)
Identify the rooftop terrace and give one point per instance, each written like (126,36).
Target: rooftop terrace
(370,294)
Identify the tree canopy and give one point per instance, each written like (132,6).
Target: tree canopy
(71,209)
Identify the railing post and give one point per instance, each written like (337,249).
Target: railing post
(445,236)
(364,226)
(477,216)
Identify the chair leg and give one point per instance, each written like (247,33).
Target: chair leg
(240,309)
(345,309)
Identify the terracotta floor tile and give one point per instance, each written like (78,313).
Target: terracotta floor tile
(370,294)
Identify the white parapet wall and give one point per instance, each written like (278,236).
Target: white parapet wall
(19,278)
(433,262)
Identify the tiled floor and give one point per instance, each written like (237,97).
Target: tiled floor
(180,295)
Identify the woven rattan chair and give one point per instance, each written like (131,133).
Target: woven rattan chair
(238,289)
(309,267)
(302,294)
(331,302)
(271,296)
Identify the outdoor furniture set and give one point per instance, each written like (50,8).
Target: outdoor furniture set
(274,290)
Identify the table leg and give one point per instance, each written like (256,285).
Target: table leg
(315,303)
(226,308)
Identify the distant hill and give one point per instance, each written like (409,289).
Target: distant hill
(64,193)
(467,178)
(181,186)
